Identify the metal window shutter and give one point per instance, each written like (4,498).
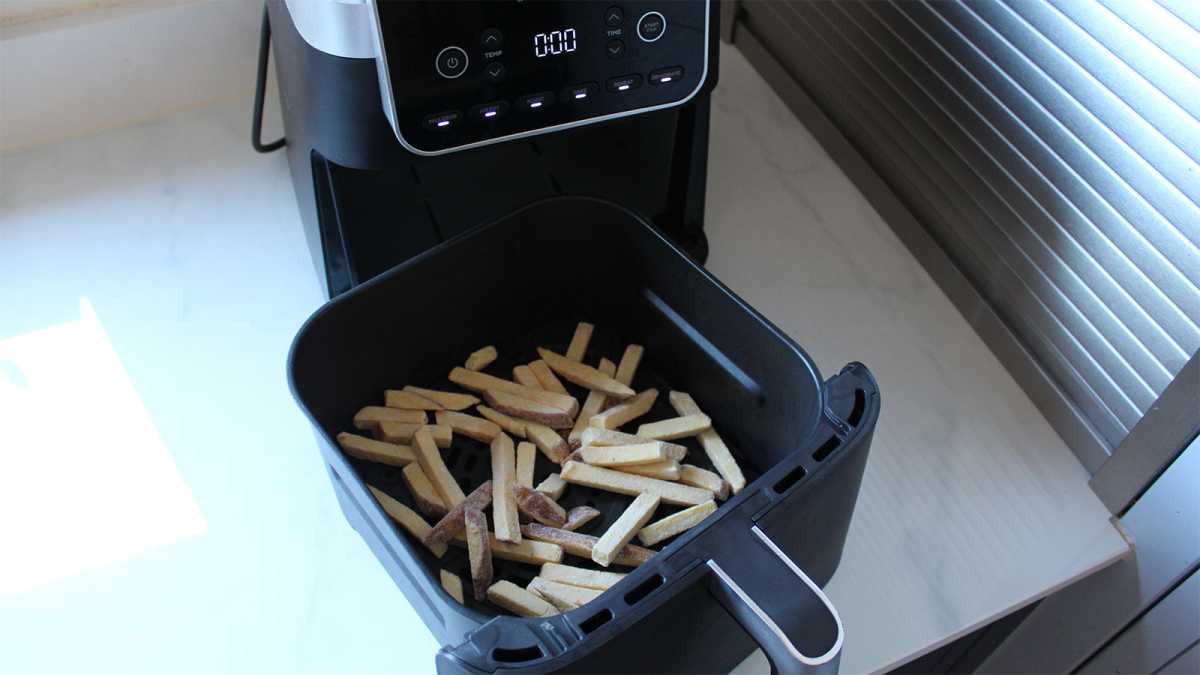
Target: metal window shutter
(1050,147)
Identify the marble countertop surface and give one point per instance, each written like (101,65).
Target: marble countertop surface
(163,506)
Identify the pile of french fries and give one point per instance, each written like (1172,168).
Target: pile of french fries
(527,523)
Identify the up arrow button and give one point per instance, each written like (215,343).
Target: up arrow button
(492,38)
(613,17)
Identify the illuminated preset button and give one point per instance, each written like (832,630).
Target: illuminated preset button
(489,112)
(537,101)
(666,75)
(580,92)
(624,83)
(442,121)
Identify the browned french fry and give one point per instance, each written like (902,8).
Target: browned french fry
(468,425)
(629,364)
(578,517)
(525,377)
(453,585)
(702,478)
(523,408)
(525,551)
(552,487)
(577,576)
(402,432)
(579,341)
(452,523)
(581,544)
(435,468)
(511,425)
(665,470)
(409,520)
(546,378)
(540,507)
(625,412)
(446,399)
(408,400)
(593,404)
(632,519)
(598,436)
(553,446)
(504,502)
(584,375)
(676,427)
(372,450)
(369,417)
(481,358)
(424,495)
(481,382)
(718,453)
(624,455)
(563,596)
(519,601)
(479,551)
(676,523)
(526,461)
(630,484)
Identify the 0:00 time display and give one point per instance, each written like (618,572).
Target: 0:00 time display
(554,42)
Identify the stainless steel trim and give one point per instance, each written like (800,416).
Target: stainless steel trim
(841,633)
(637,27)
(389,105)
(337,27)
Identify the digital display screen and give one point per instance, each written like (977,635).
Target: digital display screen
(554,42)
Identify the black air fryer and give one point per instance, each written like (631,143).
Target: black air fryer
(455,154)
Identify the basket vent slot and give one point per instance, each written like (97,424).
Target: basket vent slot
(596,620)
(516,655)
(643,589)
(826,448)
(860,406)
(781,486)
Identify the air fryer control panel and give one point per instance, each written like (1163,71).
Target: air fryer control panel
(456,75)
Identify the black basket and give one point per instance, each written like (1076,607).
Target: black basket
(525,280)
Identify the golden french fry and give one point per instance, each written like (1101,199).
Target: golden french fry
(579,341)
(625,412)
(675,428)
(481,382)
(408,400)
(446,399)
(546,378)
(525,409)
(676,523)
(635,516)
(584,375)
(504,502)
(519,601)
(372,450)
(424,495)
(630,484)
(369,417)
(718,453)
(593,404)
(468,425)
(412,523)
(481,358)
(453,585)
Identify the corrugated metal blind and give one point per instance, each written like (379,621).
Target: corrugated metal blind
(1051,147)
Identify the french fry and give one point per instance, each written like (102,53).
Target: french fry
(453,585)
(525,377)
(625,412)
(553,487)
(553,446)
(578,517)
(546,378)
(402,433)
(479,551)
(718,453)
(412,523)
(511,425)
(523,408)
(539,506)
(446,399)
(629,364)
(504,502)
(369,417)
(435,469)
(676,523)
(581,544)
(563,596)
(525,551)
(676,427)
(635,516)
(526,461)
(468,425)
(631,484)
(452,523)
(624,455)
(703,478)
(519,601)
(584,375)
(361,447)
(481,358)
(424,495)
(665,470)
(481,382)
(598,436)
(408,400)
(577,576)
(594,403)
(579,341)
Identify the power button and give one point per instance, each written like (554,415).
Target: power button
(451,62)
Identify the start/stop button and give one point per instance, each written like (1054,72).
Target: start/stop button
(651,26)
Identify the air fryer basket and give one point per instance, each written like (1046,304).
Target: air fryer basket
(525,281)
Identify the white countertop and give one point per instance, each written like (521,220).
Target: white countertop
(163,506)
